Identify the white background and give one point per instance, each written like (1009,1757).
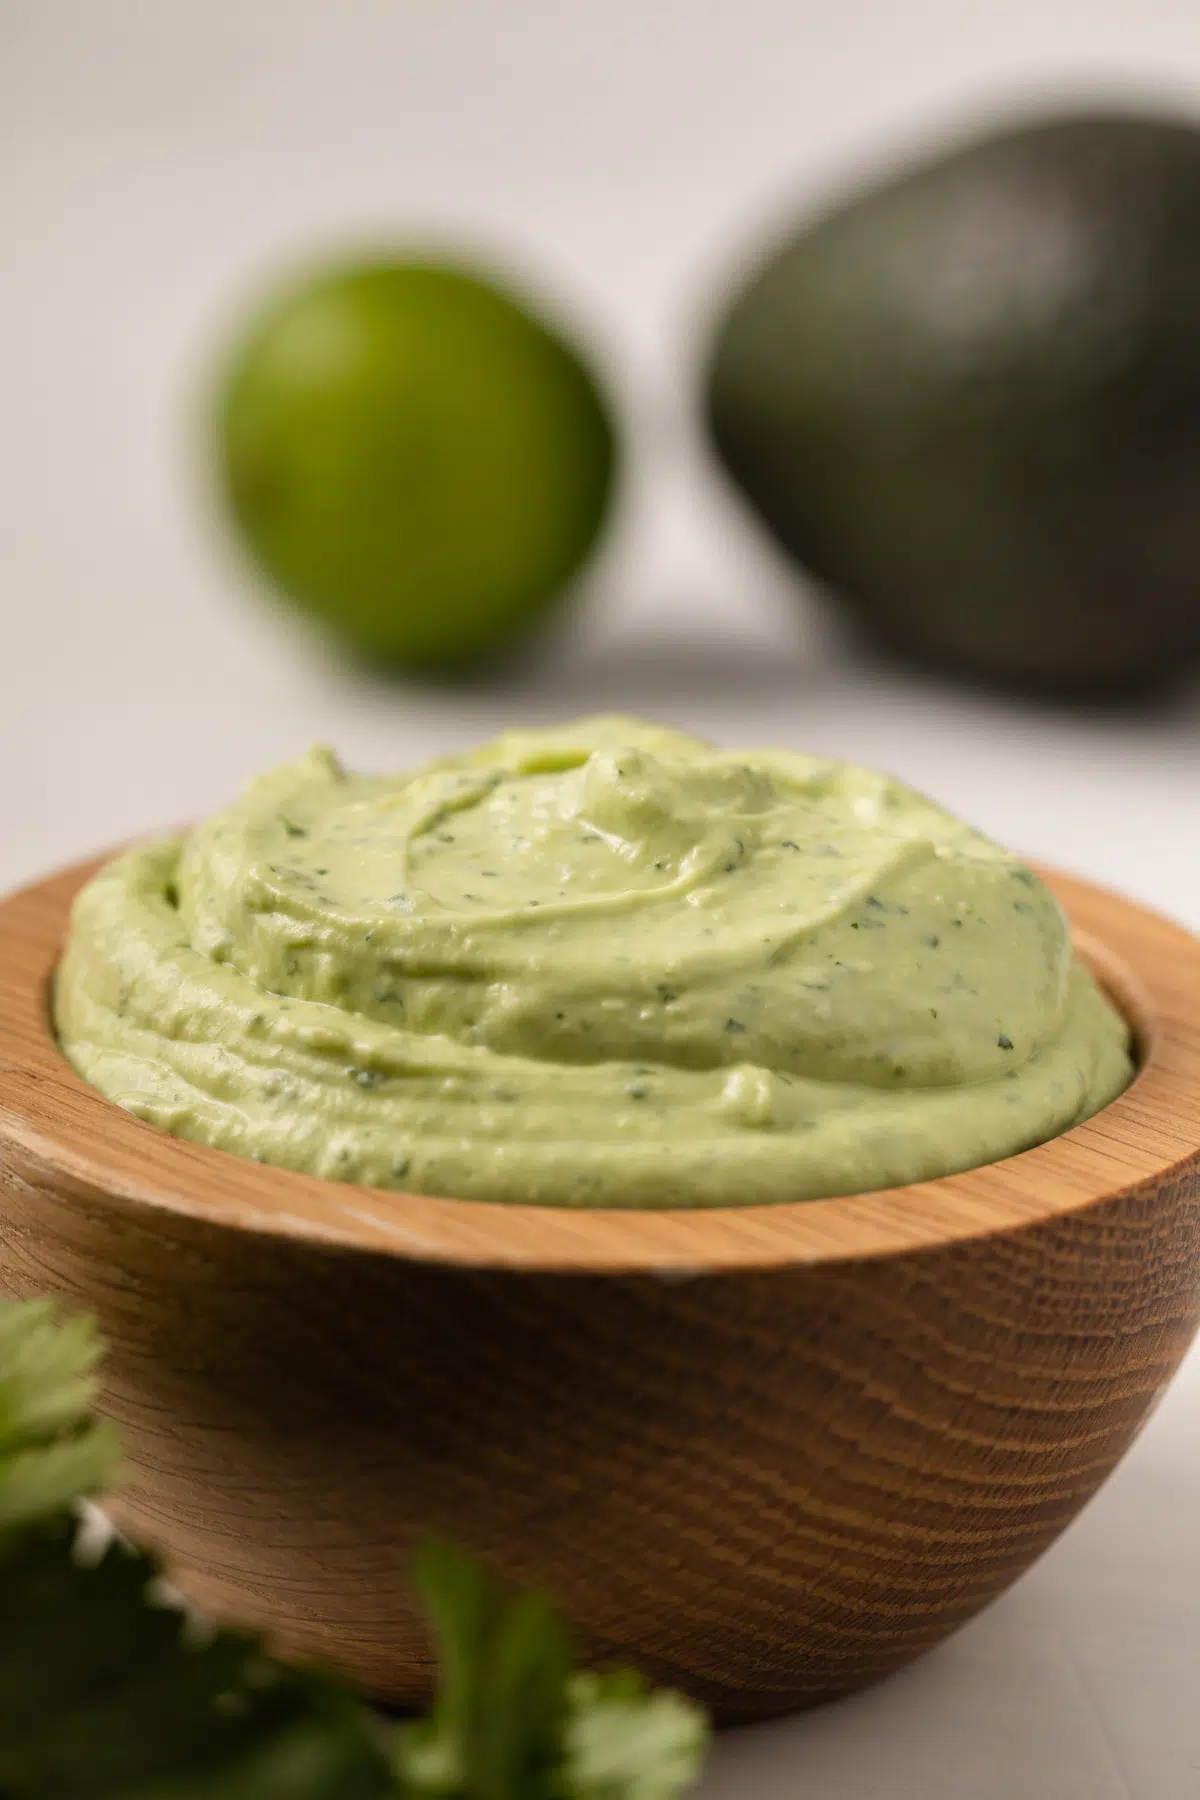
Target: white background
(157,161)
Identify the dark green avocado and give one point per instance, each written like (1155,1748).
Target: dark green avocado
(968,402)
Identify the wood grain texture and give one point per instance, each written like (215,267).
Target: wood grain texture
(768,1453)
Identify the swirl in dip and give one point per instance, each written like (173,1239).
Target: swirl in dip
(601,965)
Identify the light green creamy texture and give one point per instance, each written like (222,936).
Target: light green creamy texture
(603,965)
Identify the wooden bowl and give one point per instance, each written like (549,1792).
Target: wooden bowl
(768,1453)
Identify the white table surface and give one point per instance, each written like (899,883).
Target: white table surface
(154,159)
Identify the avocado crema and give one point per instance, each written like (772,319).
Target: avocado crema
(601,965)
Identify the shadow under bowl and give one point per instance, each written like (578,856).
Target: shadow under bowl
(770,1454)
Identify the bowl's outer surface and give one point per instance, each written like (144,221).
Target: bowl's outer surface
(770,1454)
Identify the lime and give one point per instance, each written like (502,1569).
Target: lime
(414,458)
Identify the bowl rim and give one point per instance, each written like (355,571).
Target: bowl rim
(57,1131)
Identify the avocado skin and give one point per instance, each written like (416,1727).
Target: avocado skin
(968,402)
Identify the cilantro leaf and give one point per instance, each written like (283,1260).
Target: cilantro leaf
(513,1723)
(52,1452)
(626,1741)
(496,1730)
(106,1691)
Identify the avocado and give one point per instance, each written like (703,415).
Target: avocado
(968,403)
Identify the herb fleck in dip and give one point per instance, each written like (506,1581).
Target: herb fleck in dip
(604,965)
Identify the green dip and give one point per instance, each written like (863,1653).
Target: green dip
(601,965)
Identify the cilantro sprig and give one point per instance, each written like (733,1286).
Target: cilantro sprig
(52,1451)
(108,1692)
(514,1722)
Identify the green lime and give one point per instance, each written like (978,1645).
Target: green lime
(414,458)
